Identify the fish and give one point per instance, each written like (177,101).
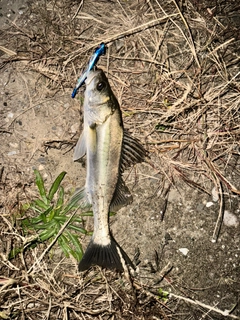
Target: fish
(109,150)
(99,51)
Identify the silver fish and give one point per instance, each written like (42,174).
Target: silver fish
(109,150)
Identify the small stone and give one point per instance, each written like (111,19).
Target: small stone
(215,196)
(42,160)
(13,145)
(230,220)
(40,167)
(12,153)
(184,251)
(209,204)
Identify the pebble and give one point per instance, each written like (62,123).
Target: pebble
(215,196)
(209,204)
(184,251)
(13,145)
(40,167)
(41,160)
(229,219)
(12,153)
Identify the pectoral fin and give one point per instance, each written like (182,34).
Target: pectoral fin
(80,149)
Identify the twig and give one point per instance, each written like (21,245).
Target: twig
(121,35)
(220,214)
(78,9)
(225,313)
(8,51)
(220,46)
(138,29)
(190,42)
(222,178)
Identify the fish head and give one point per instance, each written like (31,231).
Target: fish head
(99,100)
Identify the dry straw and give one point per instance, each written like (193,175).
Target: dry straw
(176,75)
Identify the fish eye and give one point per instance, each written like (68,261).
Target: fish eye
(101,85)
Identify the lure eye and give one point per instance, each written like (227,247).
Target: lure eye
(101,85)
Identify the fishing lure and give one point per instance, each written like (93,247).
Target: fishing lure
(99,51)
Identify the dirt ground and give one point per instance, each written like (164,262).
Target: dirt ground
(172,227)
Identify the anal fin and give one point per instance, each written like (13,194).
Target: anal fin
(121,197)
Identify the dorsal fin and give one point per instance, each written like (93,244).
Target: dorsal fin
(80,149)
(132,151)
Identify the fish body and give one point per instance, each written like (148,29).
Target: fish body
(109,150)
(100,50)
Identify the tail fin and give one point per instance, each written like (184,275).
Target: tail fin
(111,256)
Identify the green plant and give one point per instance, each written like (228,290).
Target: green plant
(163,295)
(53,214)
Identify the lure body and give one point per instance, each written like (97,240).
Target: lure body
(99,51)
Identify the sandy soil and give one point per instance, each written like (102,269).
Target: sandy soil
(174,235)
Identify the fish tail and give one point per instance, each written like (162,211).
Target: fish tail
(110,256)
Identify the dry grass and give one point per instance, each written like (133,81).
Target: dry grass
(175,71)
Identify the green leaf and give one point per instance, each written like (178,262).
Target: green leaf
(72,205)
(61,218)
(52,215)
(76,228)
(42,217)
(47,234)
(77,219)
(63,242)
(40,204)
(78,247)
(163,295)
(87,214)
(14,252)
(60,197)
(160,127)
(55,185)
(40,185)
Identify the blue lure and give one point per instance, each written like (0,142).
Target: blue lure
(99,51)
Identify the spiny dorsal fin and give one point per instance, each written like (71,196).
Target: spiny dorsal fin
(122,196)
(132,151)
(80,149)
